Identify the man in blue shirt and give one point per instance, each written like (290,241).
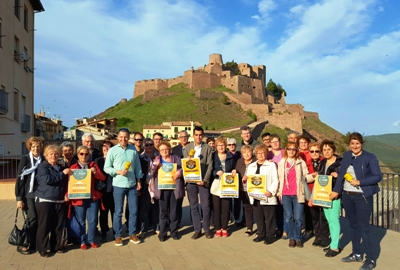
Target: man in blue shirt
(126,182)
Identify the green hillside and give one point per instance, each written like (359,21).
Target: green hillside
(180,105)
(386,147)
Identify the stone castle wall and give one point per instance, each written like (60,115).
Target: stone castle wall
(202,94)
(314,115)
(291,121)
(291,108)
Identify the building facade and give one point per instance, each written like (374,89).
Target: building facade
(170,130)
(17,25)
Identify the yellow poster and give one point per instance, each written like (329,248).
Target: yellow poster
(322,190)
(257,186)
(191,170)
(166,176)
(229,186)
(79,184)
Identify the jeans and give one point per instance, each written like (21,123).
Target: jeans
(132,198)
(293,213)
(88,209)
(333,215)
(358,211)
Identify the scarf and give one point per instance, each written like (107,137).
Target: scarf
(287,170)
(31,170)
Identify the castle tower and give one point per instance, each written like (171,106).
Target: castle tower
(215,58)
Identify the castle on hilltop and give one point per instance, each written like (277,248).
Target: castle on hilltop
(248,86)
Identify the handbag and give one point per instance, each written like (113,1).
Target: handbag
(19,237)
(99,185)
(216,187)
(64,237)
(307,191)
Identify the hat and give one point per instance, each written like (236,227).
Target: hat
(231,141)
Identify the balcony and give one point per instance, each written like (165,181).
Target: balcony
(26,123)
(3,102)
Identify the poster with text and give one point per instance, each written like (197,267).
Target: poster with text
(191,170)
(79,184)
(257,186)
(166,176)
(322,190)
(229,186)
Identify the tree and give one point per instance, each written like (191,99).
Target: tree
(275,89)
(232,65)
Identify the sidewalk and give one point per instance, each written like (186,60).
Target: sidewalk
(235,252)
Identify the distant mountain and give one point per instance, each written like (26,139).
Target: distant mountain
(386,147)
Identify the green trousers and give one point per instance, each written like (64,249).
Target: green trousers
(332,216)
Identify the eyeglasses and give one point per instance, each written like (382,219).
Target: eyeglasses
(291,149)
(274,141)
(231,144)
(220,145)
(314,151)
(84,154)
(148,144)
(139,139)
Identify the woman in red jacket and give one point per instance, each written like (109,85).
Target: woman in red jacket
(87,208)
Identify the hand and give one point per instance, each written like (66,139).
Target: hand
(311,202)
(200,183)
(220,173)
(233,173)
(67,171)
(355,183)
(20,205)
(93,169)
(268,194)
(66,198)
(333,195)
(122,172)
(314,174)
(244,179)
(334,174)
(139,186)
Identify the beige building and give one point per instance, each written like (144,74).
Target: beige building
(47,127)
(17,25)
(170,130)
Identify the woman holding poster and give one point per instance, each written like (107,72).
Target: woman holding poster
(291,169)
(264,209)
(223,162)
(166,186)
(330,166)
(87,208)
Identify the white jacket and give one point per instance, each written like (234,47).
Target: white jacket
(269,170)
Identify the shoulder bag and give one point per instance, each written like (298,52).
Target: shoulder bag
(19,237)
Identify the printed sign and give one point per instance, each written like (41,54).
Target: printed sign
(257,186)
(322,190)
(229,186)
(79,184)
(166,176)
(191,170)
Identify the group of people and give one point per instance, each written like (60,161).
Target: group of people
(130,168)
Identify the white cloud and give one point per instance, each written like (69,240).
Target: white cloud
(264,9)
(396,124)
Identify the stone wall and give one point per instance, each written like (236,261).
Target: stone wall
(152,94)
(155,84)
(203,94)
(292,108)
(201,79)
(291,121)
(314,115)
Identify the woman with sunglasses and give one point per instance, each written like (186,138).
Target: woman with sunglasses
(107,198)
(291,169)
(137,140)
(87,208)
(357,197)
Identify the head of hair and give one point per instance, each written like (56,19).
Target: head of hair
(303,137)
(265,135)
(210,139)
(245,128)
(183,131)
(356,136)
(196,128)
(292,132)
(125,130)
(220,140)
(67,144)
(246,148)
(329,143)
(146,140)
(261,147)
(291,145)
(107,142)
(274,136)
(313,144)
(82,147)
(51,148)
(231,141)
(31,140)
(86,135)
(159,134)
(167,144)
(138,133)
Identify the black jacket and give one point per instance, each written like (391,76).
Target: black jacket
(52,184)
(334,167)
(22,185)
(178,150)
(230,164)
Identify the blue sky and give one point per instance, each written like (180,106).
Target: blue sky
(340,58)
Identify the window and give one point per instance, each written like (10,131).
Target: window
(3,100)
(26,18)
(16,49)
(16,105)
(16,8)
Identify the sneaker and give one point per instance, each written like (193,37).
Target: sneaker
(225,233)
(368,264)
(353,258)
(84,247)
(134,239)
(118,241)
(218,233)
(94,245)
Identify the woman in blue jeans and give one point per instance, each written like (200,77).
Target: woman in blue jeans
(87,208)
(291,169)
(362,171)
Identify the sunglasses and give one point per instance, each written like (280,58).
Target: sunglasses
(291,149)
(139,139)
(148,144)
(314,151)
(84,154)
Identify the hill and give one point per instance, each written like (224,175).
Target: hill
(386,147)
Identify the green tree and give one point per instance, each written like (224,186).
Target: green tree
(275,89)
(232,65)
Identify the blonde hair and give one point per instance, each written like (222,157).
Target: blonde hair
(220,140)
(31,140)
(52,147)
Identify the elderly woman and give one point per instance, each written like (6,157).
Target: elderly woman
(52,180)
(241,168)
(211,142)
(362,173)
(87,208)
(25,186)
(168,198)
(67,151)
(264,210)
(291,169)
(107,198)
(223,162)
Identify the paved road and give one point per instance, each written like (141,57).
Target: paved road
(235,252)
